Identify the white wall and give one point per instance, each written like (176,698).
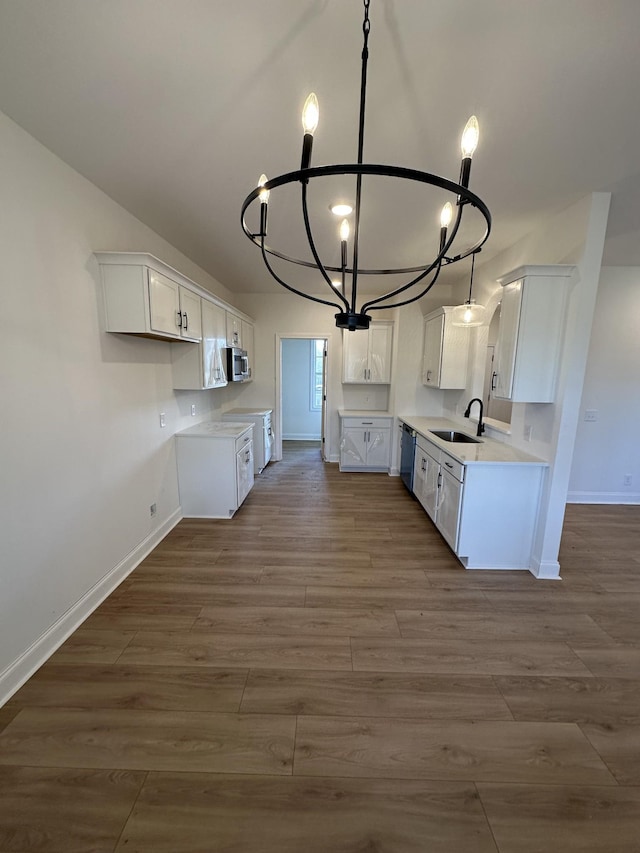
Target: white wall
(83,455)
(299,420)
(607,449)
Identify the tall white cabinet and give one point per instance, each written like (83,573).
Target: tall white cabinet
(532,319)
(366,354)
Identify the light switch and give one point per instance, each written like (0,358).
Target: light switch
(163,419)
(591,415)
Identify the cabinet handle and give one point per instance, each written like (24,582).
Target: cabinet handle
(247,456)
(179,313)
(448,464)
(247,439)
(424,464)
(367,423)
(494,382)
(186,321)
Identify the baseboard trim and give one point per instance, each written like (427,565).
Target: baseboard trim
(301,436)
(545,569)
(632,498)
(15,675)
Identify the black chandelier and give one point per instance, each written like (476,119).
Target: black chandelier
(349,315)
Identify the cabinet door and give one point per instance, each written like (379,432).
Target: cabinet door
(244,472)
(164,304)
(191,327)
(426,471)
(507,339)
(234,330)
(353,446)
(379,355)
(213,340)
(378,448)
(247,344)
(355,354)
(433,330)
(448,510)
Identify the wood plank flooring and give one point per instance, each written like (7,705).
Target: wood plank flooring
(320,675)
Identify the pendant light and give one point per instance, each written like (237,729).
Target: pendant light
(352,312)
(469,314)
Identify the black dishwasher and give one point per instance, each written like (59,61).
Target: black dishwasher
(407,453)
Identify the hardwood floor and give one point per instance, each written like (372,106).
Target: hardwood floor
(320,675)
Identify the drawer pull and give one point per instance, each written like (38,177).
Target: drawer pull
(448,464)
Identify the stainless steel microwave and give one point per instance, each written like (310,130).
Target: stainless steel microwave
(237,365)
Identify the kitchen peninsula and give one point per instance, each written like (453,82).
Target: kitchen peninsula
(481,494)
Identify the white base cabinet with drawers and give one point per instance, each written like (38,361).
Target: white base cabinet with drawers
(261,422)
(485,511)
(365,442)
(215,468)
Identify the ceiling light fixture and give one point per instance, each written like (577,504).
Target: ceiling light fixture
(351,314)
(469,314)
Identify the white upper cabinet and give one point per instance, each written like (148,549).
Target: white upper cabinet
(140,300)
(234,330)
(367,355)
(446,351)
(532,318)
(201,367)
(247,344)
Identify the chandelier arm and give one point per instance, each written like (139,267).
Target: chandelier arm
(293,289)
(425,271)
(312,246)
(408,301)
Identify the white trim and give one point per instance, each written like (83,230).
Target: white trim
(545,570)
(632,498)
(15,675)
(302,436)
(277,412)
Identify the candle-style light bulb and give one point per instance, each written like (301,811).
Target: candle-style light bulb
(344,230)
(264,194)
(470,136)
(310,114)
(446,215)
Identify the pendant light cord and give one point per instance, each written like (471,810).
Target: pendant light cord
(473,263)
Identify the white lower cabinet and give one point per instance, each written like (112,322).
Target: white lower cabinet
(365,443)
(261,423)
(437,484)
(485,511)
(215,468)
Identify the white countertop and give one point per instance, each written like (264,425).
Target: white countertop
(363,413)
(216,429)
(487,450)
(247,411)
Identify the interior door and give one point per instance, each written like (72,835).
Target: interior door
(323,426)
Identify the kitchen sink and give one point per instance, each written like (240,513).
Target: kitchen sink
(452,435)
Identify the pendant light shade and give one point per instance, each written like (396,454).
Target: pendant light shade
(469,313)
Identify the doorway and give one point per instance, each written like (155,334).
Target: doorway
(301,391)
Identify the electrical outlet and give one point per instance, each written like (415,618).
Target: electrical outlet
(193,410)
(591,414)
(527,432)
(627,479)
(153,509)
(163,420)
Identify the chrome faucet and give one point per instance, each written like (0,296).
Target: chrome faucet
(468,412)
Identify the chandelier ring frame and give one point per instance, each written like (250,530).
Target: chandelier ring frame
(464,196)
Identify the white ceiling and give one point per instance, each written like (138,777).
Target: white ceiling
(175,107)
